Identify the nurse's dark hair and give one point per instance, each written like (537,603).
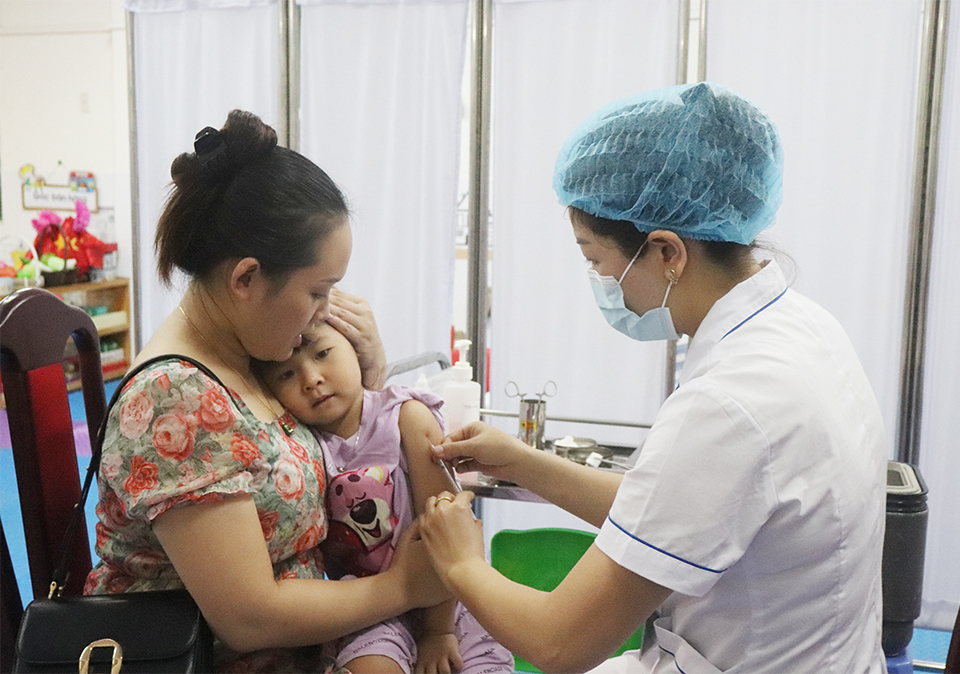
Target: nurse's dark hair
(242,195)
(628,239)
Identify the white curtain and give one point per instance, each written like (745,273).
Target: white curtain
(940,426)
(839,77)
(381,113)
(193,63)
(555,61)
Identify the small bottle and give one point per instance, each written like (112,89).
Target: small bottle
(461,395)
(423,383)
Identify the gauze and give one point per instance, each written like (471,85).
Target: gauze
(696,159)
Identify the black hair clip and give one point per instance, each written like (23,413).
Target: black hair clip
(211,149)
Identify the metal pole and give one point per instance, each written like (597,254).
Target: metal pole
(670,369)
(479,196)
(283,122)
(702,50)
(137,268)
(683,42)
(293,76)
(683,60)
(484,412)
(288,126)
(913,345)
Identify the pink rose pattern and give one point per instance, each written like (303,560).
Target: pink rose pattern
(176,437)
(215,414)
(243,449)
(112,512)
(298,450)
(289,479)
(136,414)
(309,539)
(142,477)
(268,522)
(173,436)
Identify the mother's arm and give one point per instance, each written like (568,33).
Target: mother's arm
(571,629)
(219,552)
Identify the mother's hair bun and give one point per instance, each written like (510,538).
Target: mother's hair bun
(219,154)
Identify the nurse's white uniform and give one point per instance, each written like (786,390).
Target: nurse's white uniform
(759,497)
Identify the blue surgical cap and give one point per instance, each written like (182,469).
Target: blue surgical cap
(697,159)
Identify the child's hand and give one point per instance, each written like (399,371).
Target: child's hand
(438,654)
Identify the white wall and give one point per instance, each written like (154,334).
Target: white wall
(63,100)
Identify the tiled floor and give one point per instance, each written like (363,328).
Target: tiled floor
(927,645)
(930,646)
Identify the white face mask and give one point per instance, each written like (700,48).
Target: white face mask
(654,325)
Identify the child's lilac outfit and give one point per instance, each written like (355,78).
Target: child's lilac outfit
(369,505)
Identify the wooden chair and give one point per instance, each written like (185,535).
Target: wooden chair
(11,606)
(34,328)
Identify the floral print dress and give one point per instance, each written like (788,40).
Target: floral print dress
(176,437)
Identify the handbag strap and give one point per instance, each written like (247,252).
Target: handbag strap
(60,575)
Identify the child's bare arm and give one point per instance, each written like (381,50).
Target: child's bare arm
(419,430)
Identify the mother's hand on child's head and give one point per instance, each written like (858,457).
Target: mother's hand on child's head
(352,317)
(413,569)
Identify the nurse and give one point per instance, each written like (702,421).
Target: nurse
(753,520)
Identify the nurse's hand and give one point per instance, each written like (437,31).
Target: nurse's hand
(454,537)
(352,317)
(479,447)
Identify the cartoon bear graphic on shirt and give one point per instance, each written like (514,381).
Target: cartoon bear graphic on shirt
(362,521)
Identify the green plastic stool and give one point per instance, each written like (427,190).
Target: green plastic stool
(541,558)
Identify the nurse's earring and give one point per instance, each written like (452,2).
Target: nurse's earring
(673,279)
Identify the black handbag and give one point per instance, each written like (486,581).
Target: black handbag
(135,632)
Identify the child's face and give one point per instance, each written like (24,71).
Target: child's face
(320,384)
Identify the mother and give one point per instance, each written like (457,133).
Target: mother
(205,481)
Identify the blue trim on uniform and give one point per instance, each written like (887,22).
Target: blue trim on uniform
(755,313)
(674,656)
(654,547)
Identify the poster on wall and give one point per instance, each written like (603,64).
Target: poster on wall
(38,195)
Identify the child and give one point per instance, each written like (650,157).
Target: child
(374,443)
